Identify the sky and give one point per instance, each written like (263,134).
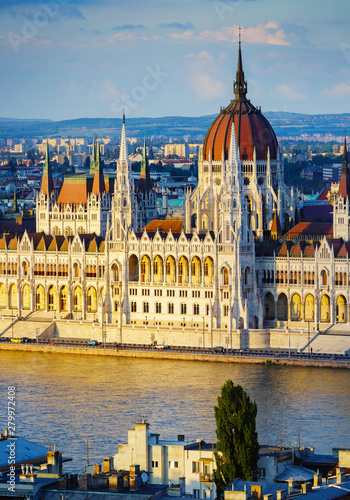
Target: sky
(66,59)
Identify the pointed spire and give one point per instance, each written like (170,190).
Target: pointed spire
(98,186)
(93,157)
(47,181)
(344,186)
(233,153)
(145,179)
(14,204)
(123,154)
(240,85)
(275,227)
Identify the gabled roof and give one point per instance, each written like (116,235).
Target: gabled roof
(74,191)
(164,225)
(310,230)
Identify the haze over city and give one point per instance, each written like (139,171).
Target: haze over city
(86,58)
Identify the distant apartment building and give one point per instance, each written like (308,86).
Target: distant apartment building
(331,173)
(181,150)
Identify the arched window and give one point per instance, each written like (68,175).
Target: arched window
(196,309)
(183,309)
(145,307)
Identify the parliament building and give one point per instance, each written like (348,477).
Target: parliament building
(240,266)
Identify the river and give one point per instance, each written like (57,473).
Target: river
(65,400)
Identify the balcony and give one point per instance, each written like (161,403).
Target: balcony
(206,478)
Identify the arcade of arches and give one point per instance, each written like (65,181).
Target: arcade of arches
(171,271)
(304,310)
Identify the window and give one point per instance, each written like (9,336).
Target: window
(173,465)
(93,216)
(225,310)
(158,307)
(196,309)
(158,293)
(195,467)
(170,308)
(145,307)
(183,309)
(207,309)
(170,293)
(133,307)
(196,293)
(154,464)
(262,473)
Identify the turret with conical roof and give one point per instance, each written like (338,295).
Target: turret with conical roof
(47,180)
(344,186)
(93,157)
(145,178)
(98,186)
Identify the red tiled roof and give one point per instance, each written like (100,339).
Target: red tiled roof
(310,229)
(164,225)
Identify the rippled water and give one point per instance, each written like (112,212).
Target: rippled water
(68,399)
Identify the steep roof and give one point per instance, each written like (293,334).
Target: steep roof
(164,225)
(310,230)
(344,186)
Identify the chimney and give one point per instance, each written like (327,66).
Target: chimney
(317,480)
(339,474)
(281,495)
(306,488)
(107,464)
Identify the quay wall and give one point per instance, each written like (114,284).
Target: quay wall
(188,336)
(179,356)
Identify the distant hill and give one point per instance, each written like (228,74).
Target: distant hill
(283,123)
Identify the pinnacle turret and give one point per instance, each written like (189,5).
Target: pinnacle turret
(47,180)
(344,186)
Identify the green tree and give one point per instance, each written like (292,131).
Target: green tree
(237,445)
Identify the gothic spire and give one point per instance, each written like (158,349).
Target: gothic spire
(344,186)
(145,179)
(123,154)
(98,186)
(93,157)
(240,85)
(47,180)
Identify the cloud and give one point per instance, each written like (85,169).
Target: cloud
(179,26)
(338,90)
(206,86)
(287,92)
(270,34)
(128,27)
(204,55)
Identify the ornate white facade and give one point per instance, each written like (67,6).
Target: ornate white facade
(221,270)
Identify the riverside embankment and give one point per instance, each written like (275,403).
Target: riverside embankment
(167,354)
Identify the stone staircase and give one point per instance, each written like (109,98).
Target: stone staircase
(331,343)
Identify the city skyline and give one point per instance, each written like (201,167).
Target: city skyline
(66,59)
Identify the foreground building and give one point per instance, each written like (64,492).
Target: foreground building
(238,269)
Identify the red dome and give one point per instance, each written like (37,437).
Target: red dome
(252,128)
